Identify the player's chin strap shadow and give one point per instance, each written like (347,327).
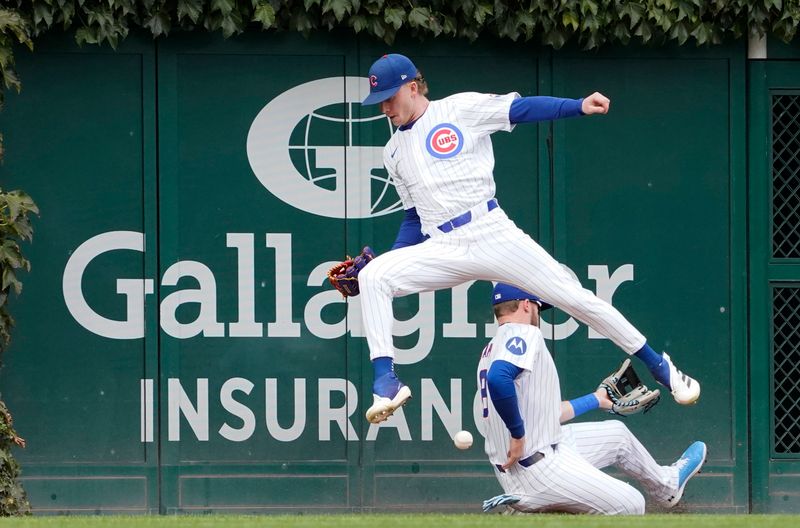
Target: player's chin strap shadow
(499,500)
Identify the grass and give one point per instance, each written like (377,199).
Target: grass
(408,521)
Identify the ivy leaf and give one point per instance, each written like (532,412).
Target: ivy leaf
(701,34)
(634,11)
(419,17)
(26,202)
(265,14)
(588,6)
(10,254)
(499,8)
(394,16)
(555,38)
(65,14)
(300,21)
(223,6)
(590,24)
(232,24)
(358,23)
(526,23)
(10,280)
(685,11)
(158,24)
(191,9)
(622,33)
(377,26)
(339,7)
(10,79)
(12,203)
(482,10)
(645,31)
(42,13)
(449,26)
(374,7)
(22,228)
(570,19)
(85,35)
(679,32)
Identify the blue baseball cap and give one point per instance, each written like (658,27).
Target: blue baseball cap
(387,75)
(506,292)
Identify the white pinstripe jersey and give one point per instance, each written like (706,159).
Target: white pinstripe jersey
(443,165)
(537,387)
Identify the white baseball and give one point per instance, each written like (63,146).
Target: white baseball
(463,439)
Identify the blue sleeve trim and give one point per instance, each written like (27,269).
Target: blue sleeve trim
(584,404)
(500,381)
(410,233)
(543,108)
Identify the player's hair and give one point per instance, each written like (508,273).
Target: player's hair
(505,308)
(422,84)
(508,307)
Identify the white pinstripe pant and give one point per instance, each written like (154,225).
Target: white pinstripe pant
(569,479)
(490,248)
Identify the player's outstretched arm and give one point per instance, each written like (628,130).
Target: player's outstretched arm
(596,103)
(572,408)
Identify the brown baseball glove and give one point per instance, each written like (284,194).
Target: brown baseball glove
(344,276)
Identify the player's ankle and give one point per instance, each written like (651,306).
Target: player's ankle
(382,366)
(655,362)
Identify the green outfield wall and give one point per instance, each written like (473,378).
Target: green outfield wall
(177,347)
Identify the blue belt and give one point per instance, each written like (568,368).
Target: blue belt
(528,461)
(464,219)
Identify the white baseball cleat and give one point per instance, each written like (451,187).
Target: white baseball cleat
(382,408)
(389,393)
(684,389)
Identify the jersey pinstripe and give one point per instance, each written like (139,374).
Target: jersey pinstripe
(537,388)
(568,478)
(445,181)
(490,247)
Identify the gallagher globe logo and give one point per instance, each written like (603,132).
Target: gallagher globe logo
(444,141)
(317,149)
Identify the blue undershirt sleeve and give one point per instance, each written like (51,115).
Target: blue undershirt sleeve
(543,108)
(410,232)
(500,381)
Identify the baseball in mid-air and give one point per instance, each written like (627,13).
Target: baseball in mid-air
(463,439)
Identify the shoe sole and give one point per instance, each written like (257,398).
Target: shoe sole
(381,411)
(677,497)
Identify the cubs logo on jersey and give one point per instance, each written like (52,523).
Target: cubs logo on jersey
(444,141)
(517,346)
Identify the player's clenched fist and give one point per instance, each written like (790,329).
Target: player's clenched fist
(596,103)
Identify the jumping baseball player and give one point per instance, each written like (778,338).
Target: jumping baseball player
(441,161)
(547,466)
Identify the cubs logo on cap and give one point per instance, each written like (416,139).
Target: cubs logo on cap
(387,75)
(444,141)
(506,292)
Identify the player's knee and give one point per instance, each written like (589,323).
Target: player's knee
(370,275)
(637,504)
(617,428)
(631,503)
